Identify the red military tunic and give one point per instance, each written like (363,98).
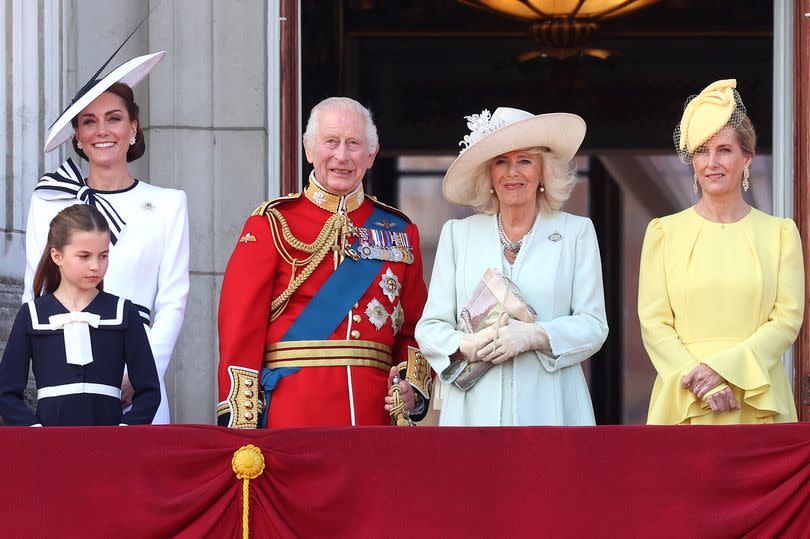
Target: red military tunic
(346,385)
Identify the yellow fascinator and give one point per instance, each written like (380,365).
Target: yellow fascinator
(717,106)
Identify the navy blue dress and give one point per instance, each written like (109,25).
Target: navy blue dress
(71,394)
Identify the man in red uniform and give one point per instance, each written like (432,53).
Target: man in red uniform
(321,295)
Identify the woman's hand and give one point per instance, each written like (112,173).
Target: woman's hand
(469,344)
(723,400)
(406,393)
(513,337)
(701,380)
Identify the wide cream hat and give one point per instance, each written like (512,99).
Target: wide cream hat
(130,73)
(468,179)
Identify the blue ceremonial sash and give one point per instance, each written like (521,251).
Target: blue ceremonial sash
(329,306)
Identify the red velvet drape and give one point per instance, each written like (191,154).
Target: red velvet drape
(632,481)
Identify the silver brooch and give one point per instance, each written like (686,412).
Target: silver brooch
(148,206)
(555,237)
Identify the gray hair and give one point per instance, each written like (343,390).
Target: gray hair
(347,104)
(558,178)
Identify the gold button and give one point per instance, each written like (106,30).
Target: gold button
(248,383)
(248,405)
(248,393)
(248,415)
(356,305)
(355,334)
(356,318)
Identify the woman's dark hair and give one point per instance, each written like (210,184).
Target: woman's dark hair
(76,218)
(124,92)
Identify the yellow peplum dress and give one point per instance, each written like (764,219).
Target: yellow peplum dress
(727,295)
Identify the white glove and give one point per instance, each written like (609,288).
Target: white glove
(470,343)
(513,338)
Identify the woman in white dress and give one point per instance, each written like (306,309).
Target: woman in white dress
(149,254)
(515,172)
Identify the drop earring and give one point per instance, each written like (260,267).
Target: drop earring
(695,185)
(745,183)
(542,188)
(132,140)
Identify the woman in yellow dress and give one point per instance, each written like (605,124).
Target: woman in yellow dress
(721,284)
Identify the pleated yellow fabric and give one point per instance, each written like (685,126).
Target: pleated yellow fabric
(730,296)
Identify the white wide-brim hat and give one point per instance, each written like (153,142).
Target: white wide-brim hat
(468,180)
(130,73)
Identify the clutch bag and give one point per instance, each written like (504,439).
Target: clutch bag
(494,295)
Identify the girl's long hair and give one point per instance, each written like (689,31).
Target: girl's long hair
(76,218)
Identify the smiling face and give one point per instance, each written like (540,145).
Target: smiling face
(339,151)
(104,130)
(719,164)
(83,261)
(515,177)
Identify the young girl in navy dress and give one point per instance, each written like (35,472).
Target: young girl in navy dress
(78,337)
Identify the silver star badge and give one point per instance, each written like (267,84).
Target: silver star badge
(376,313)
(397,318)
(390,284)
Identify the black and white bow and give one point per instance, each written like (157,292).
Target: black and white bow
(67,182)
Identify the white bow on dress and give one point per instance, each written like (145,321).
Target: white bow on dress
(76,326)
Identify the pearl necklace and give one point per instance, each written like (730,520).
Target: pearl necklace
(509,245)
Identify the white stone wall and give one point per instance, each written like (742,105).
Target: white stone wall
(205,115)
(208,137)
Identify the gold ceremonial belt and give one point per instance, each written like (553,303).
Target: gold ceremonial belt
(328,354)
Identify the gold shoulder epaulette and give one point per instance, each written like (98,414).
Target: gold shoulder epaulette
(262,209)
(389,208)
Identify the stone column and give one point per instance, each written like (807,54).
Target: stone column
(30,98)
(208,136)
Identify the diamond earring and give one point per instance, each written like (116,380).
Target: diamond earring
(132,140)
(78,145)
(746,184)
(695,185)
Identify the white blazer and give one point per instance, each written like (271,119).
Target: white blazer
(561,279)
(148,264)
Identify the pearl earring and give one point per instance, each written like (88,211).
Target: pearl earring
(491,190)
(78,145)
(542,188)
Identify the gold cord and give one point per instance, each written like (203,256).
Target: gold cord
(332,237)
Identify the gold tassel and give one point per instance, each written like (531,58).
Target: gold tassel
(397,406)
(247,464)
